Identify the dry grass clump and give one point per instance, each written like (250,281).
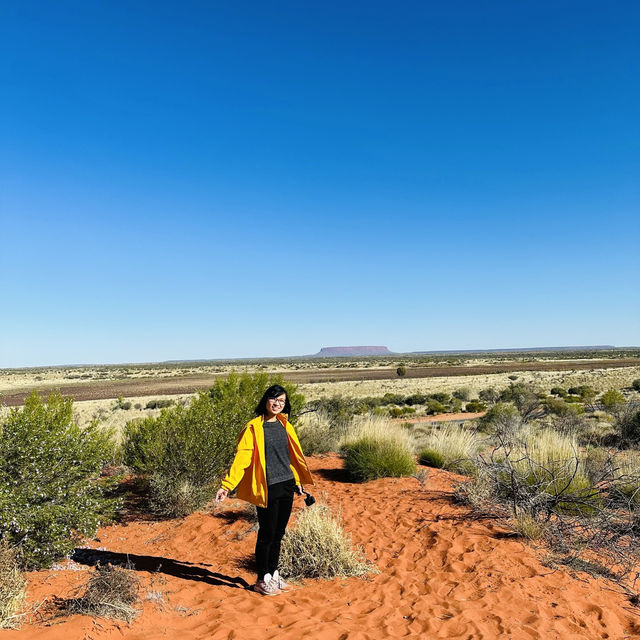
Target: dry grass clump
(528,526)
(449,447)
(111,592)
(176,497)
(318,547)
(12,587)
(377,448)
(377,428)
(317,434)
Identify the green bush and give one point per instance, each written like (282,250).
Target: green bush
(475,406)
(636,384)
(159,404)
(628,426)
(434,407)
(401,371)
(524,397)
(441,396)
(185,451)
(399,412)
(51,492)
(612,400)
(368,458)
(557,407)
(489,395)
(501,418)
(431,458)
(462,394)
(558,391)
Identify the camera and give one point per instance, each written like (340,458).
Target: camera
(309,499)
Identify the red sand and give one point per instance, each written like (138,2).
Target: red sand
(442,576)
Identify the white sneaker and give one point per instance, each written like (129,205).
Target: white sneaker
(279,582)
(267,587)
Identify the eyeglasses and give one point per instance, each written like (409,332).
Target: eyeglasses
(277,401)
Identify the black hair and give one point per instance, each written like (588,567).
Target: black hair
(273,391)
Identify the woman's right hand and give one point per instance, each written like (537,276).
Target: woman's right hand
(221,495)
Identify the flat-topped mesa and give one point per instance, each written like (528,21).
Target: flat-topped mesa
(337,352)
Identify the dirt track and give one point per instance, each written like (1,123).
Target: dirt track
(101,390)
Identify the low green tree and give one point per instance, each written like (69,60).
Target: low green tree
(51,491)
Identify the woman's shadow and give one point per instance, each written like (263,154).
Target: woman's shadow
(154,564)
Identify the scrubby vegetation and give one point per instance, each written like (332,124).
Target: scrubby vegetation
(110,592)
(449,447)
(317,547)
(375,448)
(51,490)
(12,587)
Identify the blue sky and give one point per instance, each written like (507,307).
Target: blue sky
(213,180)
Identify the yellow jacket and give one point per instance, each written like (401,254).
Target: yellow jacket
(248,470)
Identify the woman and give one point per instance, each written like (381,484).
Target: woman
(268,468)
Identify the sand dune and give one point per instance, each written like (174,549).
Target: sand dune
(443,575)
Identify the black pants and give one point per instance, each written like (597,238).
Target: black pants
(272,523)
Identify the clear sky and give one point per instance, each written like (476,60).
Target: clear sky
(203,179)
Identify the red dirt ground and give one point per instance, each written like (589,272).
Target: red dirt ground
(443,575)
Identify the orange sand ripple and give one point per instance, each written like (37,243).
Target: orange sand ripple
(442,576)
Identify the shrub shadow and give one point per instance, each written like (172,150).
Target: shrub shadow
(335,475)
(155,564)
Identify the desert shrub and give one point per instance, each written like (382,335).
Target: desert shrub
(317,547)
(416,398)
(513,377)
(628,427)
(524,398)
(399,412)
(340,410)
(441,397)
(528,526)
(12,587)
(612,400)
(51,492)
(177,496)
(184,450)
(317,434)
(462,394)
(475,406)
(557,407)
(558,391)
(636,384)
(431,458)
(627,477)
(489,395)
(401,371)
(451,446)
(123,404)
(547,475)
(501,418)
(110,592)
(584,392)
(369,458)
(434,407)
(159,404)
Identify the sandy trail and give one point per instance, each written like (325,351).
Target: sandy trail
(442,576)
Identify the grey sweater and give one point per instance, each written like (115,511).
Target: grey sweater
(276,452)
